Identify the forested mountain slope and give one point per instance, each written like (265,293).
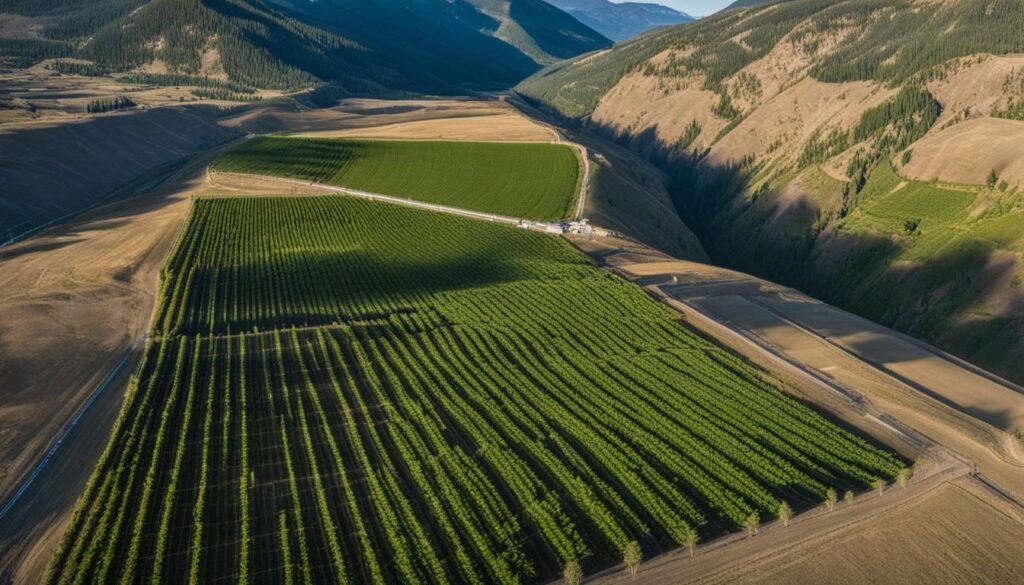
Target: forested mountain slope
(370,46)
(867,151)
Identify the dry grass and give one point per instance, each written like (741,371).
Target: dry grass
(641,103)
(950,536)
(968,151)
(504,126)
(73,300)
(782,125)
(976,83)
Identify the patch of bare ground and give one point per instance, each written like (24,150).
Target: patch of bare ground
(783,124)
(352,114)
(74,300)
(51,169)
(954,535)
(505,126)
(235,185)
(785,63)
(976,85)
(967,152)
(661,107)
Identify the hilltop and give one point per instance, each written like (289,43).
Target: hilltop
(372,46)
(822,145)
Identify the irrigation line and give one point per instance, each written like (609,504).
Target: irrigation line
(25,485)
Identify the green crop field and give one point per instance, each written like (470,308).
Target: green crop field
(347,392)
(532,181)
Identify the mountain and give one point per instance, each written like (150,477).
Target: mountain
(622,21)
(365,46)
(750,3)
(865,151)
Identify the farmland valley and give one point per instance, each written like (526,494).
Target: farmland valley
(511,291)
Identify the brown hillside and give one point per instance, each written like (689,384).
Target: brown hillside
(968,151)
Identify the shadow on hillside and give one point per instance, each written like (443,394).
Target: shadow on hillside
(52,170)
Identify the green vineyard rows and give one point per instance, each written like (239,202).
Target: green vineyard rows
(532,181)
(345,392)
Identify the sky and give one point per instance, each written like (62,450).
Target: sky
(691,7)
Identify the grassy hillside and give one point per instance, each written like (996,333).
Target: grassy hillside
(445,47)
(778,123)
(343,391)
(533,181)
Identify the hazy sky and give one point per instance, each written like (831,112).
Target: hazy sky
(694,7)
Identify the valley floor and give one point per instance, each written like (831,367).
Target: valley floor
(776,328)
(75,299)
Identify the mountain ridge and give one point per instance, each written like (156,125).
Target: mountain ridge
(374,46)
(621,21)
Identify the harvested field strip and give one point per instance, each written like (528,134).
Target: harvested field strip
(352,393)
(532,181)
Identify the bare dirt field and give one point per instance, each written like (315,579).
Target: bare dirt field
(352,116)
(977,84)
(951,534)
(506,126)
(979,543)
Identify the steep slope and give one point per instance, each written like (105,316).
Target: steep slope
(864,151)
(52,170)
(622,21)
(371,46)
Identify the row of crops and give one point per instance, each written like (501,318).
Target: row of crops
(346,392)
(532,181)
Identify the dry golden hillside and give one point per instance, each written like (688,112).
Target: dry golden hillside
(866,152)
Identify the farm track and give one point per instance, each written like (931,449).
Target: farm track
(538,181)
(664,280)
(403,201)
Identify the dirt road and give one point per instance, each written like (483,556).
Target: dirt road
(880,381)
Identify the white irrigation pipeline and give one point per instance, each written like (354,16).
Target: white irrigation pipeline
(516,221)
(25,485)
(581,200)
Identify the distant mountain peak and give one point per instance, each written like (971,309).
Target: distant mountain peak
(620,21)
